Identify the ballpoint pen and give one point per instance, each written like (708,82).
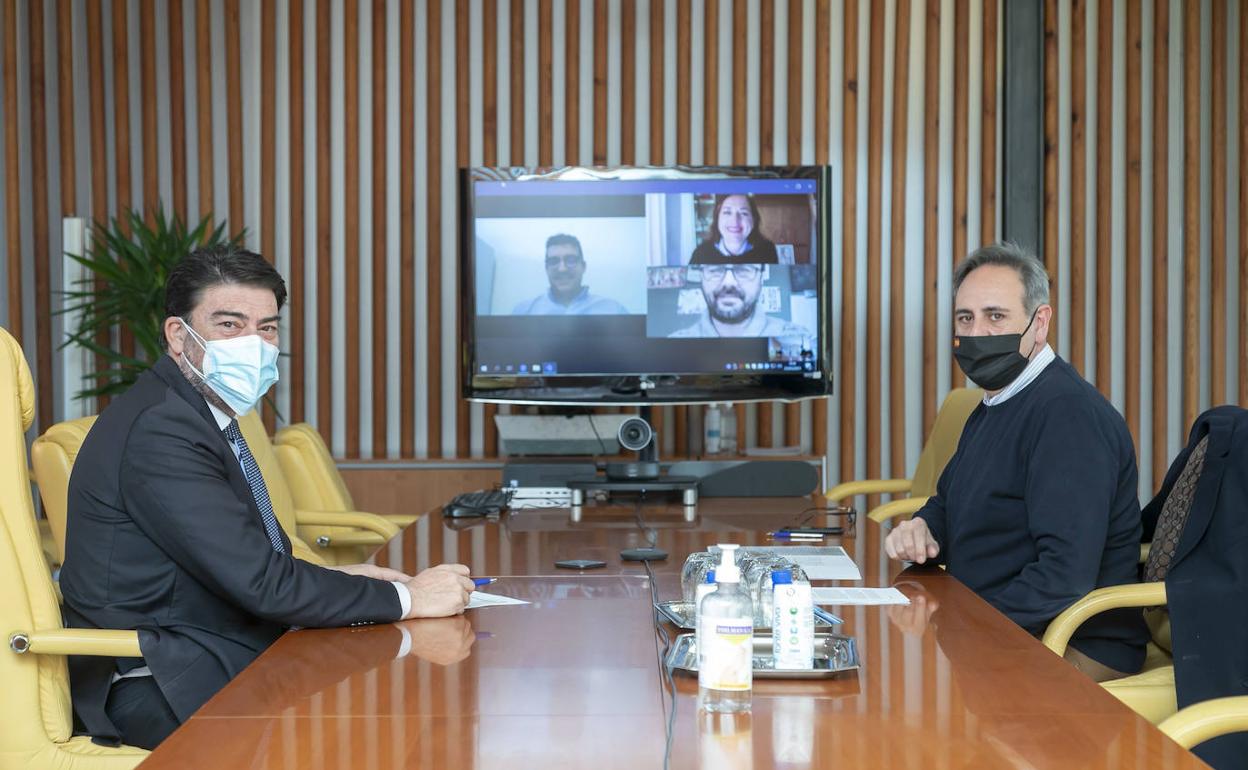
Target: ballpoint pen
(785,535)
(482,582)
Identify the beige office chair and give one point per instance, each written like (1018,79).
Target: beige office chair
(35,709)
(1207,720)
(313,475)
(339,537)
(52,458)
(940,446)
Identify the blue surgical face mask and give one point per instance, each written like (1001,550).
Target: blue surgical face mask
(240,369)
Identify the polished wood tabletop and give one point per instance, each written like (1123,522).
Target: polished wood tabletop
(573,678)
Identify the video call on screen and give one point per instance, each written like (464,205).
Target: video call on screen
(651,276)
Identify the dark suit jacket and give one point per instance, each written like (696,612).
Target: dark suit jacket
(164,536)
(1207,584)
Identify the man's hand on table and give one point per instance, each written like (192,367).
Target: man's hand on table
(439,591)
(911,541)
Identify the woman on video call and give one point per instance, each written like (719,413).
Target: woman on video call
(735,235)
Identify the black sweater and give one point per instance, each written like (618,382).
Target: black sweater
(1039,506)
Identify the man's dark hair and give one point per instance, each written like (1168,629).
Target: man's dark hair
(1006,254)
(210,266)
(563,239)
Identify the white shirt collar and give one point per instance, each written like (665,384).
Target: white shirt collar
(1034,367)
(223,419)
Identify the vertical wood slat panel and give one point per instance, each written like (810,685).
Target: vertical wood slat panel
(99,152)
(203,98)
(1243,207)
(463,123)
(766,156)
(1217,207)
(600,25)
(268,160)
(234,114)
(823,57)
(1191,217)
(1135,257)
(295,280)
(1076,316)
(1050,162)
(489,156)
(628,83)
(39,212)
(1104,189)
(433,285)
(897,264)
(351,221)
(177,110)
(931,207)
(572,80)
(324,231)
(875,174)
(407,231)
(793,412)
(516,48)
(710,76)
(988,111)
(1161,261)
(545,86)
(849,251)
(381,209)
(65,108)
(961,82)
(147,89)
(683,82)
(12,181)
(121,137)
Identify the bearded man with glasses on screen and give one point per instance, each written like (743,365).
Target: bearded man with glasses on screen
(731,293)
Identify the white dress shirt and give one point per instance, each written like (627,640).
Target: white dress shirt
(1034,367)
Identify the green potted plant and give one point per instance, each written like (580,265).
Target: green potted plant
(128,267)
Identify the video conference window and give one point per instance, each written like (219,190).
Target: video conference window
(675,264)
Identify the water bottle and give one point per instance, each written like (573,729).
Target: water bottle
(792,622)
(713,424)
(726,671)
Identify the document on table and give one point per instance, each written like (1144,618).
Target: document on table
(839,595)
(479,599)
(819,562)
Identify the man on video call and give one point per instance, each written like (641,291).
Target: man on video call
(568,295)
(731,293)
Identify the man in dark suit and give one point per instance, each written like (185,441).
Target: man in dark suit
(170,527)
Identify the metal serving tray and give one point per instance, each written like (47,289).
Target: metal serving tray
(833,654)
(680,614)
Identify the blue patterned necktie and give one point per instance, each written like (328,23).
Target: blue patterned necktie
(256,481)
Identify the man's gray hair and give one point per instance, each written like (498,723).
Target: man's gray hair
(1030,271)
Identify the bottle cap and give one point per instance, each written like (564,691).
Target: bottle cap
(728,571)
(710,576)
(781,577)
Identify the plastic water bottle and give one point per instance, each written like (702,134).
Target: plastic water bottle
(713,423)
(726,652)
(792,622)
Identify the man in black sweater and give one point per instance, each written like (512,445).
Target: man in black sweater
(1039,504)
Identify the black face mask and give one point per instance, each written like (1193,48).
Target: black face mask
(992,361)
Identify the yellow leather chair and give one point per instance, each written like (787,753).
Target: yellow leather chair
(35,709)
(339,537)
(52,458)
(940,446)
(315,481)
(1204,721)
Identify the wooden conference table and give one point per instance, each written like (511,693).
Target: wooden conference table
(572,680)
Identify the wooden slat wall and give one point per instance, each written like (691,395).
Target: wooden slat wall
(884,91)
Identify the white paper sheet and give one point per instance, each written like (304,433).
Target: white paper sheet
(479,599)
(842,596)
(819,562)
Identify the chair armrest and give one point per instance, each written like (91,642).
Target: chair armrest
(56,589)
(370,522)
(104,642)
(1200,722)
(1102,599)
(867,487)
(401,520)
(909,505)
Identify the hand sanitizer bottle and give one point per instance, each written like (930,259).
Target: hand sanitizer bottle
(792,622)
(726,669)
(700,593)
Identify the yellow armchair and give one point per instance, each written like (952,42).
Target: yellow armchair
(940,446)
(35,709)
(52,458)
(1204,721)
(316,483)
(1151,692)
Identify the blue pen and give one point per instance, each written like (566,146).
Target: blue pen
(481,582)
